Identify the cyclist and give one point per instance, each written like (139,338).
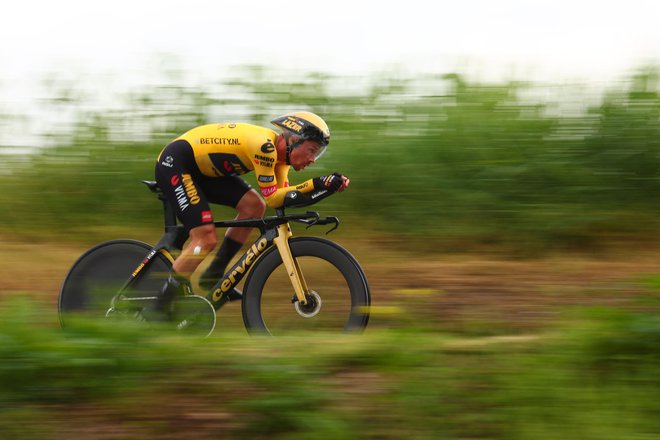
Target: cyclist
(203,166)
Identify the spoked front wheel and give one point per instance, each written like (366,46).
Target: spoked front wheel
(338,297)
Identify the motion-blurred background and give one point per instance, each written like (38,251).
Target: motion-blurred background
(530,126)
(504,164)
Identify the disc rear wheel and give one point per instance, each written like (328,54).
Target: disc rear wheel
(97,276)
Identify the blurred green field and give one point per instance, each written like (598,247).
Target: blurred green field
(458,347)
(594,377)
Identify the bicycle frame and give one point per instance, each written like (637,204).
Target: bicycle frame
(275,230)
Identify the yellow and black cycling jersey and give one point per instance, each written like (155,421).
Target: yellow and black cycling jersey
(231,149)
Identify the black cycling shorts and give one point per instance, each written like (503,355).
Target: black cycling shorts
(189,191)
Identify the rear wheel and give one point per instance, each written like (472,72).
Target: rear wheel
(338,299)
(97,276)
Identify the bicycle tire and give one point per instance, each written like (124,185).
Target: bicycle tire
(324,264)
(99,273)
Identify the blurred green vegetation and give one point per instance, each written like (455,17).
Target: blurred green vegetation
(446,162)
(592,378)
(450,164)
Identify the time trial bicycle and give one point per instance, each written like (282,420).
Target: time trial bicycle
(118,279)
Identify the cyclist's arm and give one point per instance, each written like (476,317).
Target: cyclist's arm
(275,195)
(296,199)
(282,175)
(311,191)
(320,188)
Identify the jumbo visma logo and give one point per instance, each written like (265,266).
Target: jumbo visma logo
(191,191)
(240,268)
(186,194)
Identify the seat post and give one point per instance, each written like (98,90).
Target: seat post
(175,235)
(169,217)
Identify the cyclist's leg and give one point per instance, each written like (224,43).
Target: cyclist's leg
(234,192)
(251,205)
(203,240)
(178,177)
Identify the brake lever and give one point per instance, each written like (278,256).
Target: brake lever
(334,220)
(311,222)
(320,221)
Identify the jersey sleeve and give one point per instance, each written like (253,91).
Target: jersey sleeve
(272,178)
(282,175)
(274,185)
(276,198)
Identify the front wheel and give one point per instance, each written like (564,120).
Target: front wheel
(338,299)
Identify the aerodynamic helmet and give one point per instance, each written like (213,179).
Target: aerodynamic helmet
(307,126)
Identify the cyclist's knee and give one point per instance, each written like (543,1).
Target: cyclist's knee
(205,237)
(251,205)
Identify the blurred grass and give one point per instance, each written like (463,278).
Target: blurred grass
(592,377)
(440,160)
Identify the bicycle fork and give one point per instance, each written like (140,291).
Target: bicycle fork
(291,264)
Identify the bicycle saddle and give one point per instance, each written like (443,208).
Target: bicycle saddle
(152,185)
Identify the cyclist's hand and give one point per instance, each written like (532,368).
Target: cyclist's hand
(345,182)
(332,183)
